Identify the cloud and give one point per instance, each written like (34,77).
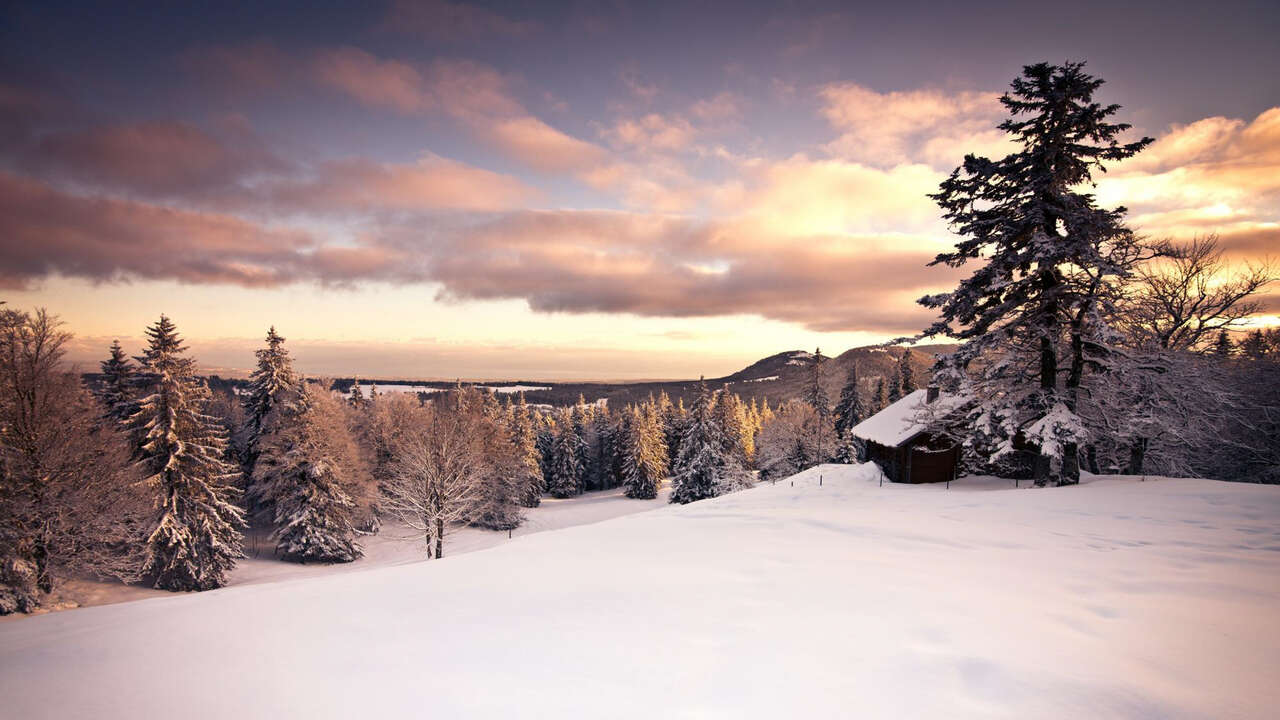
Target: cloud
(582,261)
(44,231)
(441,21)
(374,81)
(542,147)
(651,132)
(474,94)
(155,157)
(930,126)
(1214,175)
(431,183)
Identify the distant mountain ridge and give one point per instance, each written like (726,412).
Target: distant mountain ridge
(777,378)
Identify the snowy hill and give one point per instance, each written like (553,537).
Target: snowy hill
(1116,598)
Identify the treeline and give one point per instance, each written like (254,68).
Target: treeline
(149,476)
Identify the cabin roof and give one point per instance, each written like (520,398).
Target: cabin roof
(906,418)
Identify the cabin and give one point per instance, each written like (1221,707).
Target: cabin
(899,442)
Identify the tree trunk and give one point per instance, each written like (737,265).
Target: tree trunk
(40,554)
(1091,457)
(1137,456)
(1070,465)
(439,538)
(1048,385)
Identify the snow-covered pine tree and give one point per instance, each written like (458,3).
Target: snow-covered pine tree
(895,384)
(197,538)
(729,416)
(119,383)
(641,456)
(850,410)
(565,479)
(525,439)
(1047,253)
(816,396)
(580,420)
(269,383)
(879,397)
(355,396)
(704,469)
(274,401)
(906,374)
(301,481)
(673,420)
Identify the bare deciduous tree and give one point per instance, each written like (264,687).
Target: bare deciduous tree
(1182,300)
(70,502)
(434,480)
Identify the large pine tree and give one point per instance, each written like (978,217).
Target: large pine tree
(197,538)
(1047,253)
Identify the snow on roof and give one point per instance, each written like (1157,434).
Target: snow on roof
(904,419)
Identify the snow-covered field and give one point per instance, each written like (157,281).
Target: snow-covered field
(1116,598)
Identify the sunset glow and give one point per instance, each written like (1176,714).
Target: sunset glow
(440,189)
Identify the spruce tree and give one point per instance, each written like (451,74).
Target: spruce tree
(355,396)
(274,402)
(895,384)
(641,456)
(906,374)
(816,395)
(1048,256)
(565,479)
(270,382)
(881,400)
(299,478)
(119,383)
(525,439)
(1222,346)
(850,410)
(1254,345)
(704,469)
(197,538)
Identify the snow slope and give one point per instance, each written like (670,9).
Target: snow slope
(391,546)
(1116,598)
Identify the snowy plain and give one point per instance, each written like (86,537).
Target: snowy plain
(1116,598)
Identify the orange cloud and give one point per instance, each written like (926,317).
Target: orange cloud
(359,185)
(928,126)
(1214,175)
(542,147)
(374,81)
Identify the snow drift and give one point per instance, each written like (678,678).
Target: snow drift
(1116,598)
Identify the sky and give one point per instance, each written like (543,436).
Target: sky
(587,190)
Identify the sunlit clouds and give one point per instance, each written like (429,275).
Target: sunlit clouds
(428,161)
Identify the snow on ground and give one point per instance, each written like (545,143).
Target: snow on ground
(761,379)
(1115,598)
(368,390)
(391,546)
